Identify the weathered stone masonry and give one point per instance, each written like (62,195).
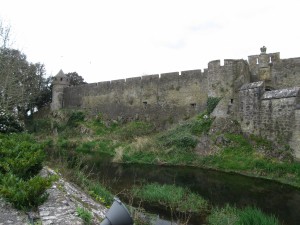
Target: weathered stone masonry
(260,93)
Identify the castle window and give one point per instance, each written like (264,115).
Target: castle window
(193,105)
(231,101)
(268,88)
(145,104)
(61,79)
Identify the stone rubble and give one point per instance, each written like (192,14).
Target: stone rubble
(64,198)
(60,207)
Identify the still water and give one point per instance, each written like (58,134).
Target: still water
(217,187)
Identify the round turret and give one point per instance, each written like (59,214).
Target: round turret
(60,81)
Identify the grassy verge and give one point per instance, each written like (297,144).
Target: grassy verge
(242,155)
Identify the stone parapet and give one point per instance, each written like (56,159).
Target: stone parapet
(283,93)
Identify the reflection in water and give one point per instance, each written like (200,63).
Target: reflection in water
(217,187)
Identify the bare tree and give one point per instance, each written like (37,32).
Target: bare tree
(5,35)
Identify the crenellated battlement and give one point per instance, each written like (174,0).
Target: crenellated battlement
(176,95)
(216,80)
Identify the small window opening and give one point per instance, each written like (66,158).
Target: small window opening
(270,59)
(61,79)
(257,61)
(268,88)
(231,101)
(145,103)
(193,105)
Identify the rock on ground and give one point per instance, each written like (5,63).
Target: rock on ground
(9,215)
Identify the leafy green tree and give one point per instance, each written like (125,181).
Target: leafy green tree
(45,95)
(75,79)
(21,83)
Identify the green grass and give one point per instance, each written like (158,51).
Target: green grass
(241,156)
(134,129)
(85,215)
(223,216)
(171,196)
(229,215)
(185,136)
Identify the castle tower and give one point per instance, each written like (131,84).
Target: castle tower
(264,71)
(60,81)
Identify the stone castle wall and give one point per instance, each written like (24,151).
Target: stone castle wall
(163,98)
(260,93)
(273,115)
(160,98)
(249,107)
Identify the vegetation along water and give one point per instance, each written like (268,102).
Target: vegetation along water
(89,138)
(74,139)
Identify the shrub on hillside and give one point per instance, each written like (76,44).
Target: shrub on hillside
(20,155)
(9,123)
(134,129)
(212,102)
(24,194)
(75,118)
(21,160)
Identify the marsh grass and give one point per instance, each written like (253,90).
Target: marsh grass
(229,215)
(223,216)
(178,198)
(179,201)
(254,216)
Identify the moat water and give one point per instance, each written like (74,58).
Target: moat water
(218,188)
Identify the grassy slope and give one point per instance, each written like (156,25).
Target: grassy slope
(139,142)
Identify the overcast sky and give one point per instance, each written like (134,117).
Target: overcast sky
(114,39)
